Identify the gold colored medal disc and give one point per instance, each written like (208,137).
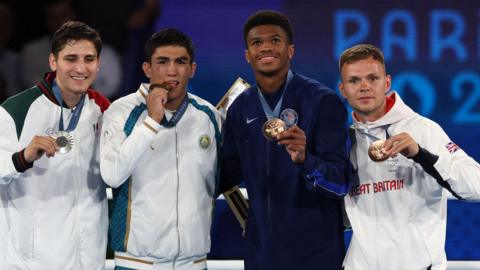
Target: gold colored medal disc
(273,127)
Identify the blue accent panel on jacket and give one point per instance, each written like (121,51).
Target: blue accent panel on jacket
(118,218)
(319,180)
(133,117)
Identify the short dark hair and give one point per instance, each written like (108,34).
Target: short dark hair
(167,37)
(265,17)
(361,52)
(74,31)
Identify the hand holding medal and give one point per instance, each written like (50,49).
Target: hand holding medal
(156,99)
(38,146)
(289,134)
(403,143)
(275,126)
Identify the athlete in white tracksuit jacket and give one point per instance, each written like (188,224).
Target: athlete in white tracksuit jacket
(53,205)
(397,208)
(163,172)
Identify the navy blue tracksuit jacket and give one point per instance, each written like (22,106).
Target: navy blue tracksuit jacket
(295,216)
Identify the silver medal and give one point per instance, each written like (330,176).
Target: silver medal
(64,141)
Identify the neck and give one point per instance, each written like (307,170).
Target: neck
(368,118)
(174,104)
(372,116)
(271,84)
(70,99)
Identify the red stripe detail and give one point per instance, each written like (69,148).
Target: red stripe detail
(99,99)
(48,79)
(389,102)
(21,157)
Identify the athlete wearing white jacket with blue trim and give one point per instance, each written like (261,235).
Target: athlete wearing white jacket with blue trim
(172,183)
(397,207)
(159,153)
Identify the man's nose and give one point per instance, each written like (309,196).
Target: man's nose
(80,66)
(364,85)
(266,46)
(171,69)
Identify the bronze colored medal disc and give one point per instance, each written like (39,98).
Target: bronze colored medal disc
(376,152)
(273,127)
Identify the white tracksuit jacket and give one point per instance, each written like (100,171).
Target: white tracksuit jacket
(52,215)
(397,210)
(164,181)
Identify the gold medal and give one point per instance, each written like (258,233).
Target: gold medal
(273,127)
(164,85)
(64,141)
(376,152)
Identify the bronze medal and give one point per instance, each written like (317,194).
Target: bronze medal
(376,152)
(273,127)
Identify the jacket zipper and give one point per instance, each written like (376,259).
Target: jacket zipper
(176,204)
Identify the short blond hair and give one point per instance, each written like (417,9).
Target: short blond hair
(361,52)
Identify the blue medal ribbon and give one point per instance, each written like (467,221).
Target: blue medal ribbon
(372,137)
(76,111)
(266,108)
(177,115)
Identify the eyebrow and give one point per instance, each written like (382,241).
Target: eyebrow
(77,55)
(272,36)
(168,58)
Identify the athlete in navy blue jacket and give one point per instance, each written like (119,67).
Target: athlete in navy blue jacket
(294,180)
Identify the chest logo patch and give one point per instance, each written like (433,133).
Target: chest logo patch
(204,142)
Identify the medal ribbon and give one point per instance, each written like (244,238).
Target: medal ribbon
(370,136)
(178,113)
(76,111)
(266,108)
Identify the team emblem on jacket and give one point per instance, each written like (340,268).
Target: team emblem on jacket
(289,116)
(49,131)
(204,141)
(452,147)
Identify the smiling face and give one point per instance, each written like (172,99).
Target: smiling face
(268,50)
(364,84)
(76,66)
(172,65)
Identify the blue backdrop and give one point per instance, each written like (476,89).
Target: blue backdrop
(432,50)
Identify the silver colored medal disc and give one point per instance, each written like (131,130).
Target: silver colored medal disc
(64,141)
(273,127)
(290,117)
(376,152)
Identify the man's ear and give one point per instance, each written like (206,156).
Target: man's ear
(147,69)
(194,69)
(388,83)
(342,89)
(52,61)
(291,51)
(247,56)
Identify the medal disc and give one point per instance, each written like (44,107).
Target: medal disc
(290,117)
(64,141)
(376,152)
(273,127)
